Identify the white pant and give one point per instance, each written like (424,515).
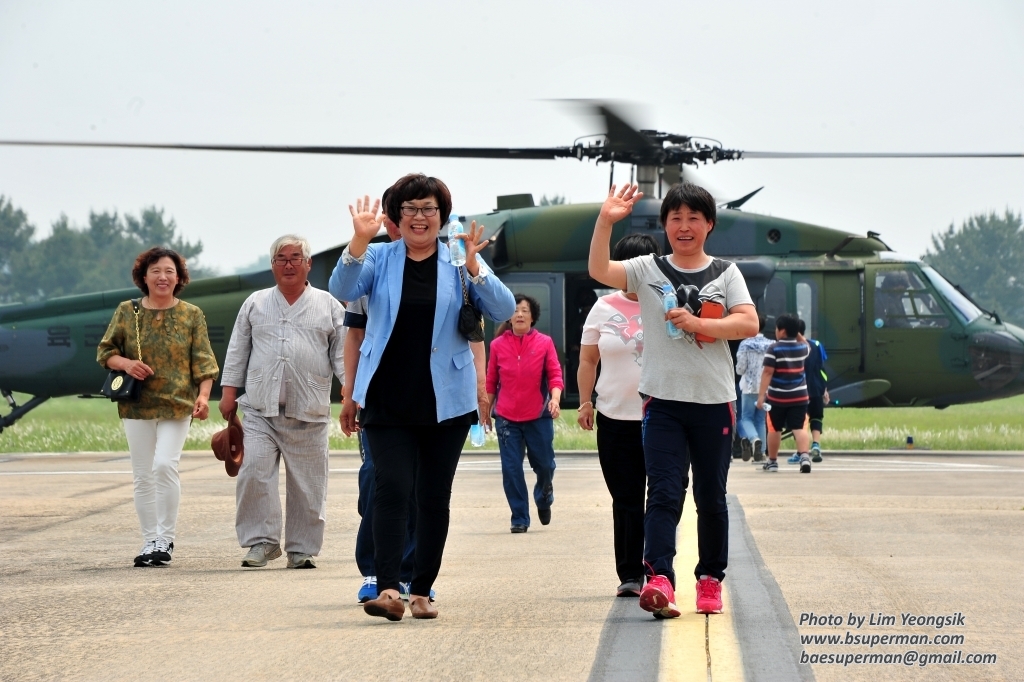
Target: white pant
(155,446)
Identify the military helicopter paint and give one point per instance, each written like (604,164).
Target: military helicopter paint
(896,331)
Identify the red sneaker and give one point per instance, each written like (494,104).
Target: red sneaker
(709,595)
(659,598)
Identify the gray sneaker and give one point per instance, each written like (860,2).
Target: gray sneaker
(805,464)
(260,553)
(758,450)
(630,588)
(771,466)
(300,560)
(747,449)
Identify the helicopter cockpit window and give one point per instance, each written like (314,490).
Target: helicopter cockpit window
(903,301)
(962,306)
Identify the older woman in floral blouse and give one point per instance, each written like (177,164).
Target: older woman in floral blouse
(177,368)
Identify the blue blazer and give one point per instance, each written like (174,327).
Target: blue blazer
(380,275)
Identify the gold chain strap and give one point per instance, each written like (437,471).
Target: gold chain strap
(138,335)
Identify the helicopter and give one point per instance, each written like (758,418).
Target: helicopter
(896,331)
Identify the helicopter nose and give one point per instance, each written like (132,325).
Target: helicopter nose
(997,358)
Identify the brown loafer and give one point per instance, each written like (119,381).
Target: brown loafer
(386,607)
(420,607)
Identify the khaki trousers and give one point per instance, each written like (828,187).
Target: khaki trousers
(303,445)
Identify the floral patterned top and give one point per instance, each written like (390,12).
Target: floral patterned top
(175,344)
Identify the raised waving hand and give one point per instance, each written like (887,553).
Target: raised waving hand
(366,222)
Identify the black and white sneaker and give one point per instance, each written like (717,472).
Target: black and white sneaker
(162,552)
(770,466)
(805,463)
(145,556)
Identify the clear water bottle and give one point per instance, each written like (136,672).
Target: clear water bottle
(669,300)
(456,246)
(477,435)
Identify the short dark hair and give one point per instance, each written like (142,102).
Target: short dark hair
(635,245)
(534,307)
(692,196)
(762,323)
(789,324)
(417,186)
(147,258)
(801,325)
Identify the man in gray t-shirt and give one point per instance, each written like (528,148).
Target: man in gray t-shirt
(687,382)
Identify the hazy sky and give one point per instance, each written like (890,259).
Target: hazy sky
(783,76)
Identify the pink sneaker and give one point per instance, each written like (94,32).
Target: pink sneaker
(659,598)
(709,595)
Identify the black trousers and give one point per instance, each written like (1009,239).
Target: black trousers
(412,461)
(620,449)
(678,436)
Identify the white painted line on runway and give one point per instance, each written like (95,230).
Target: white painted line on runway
(916,470)
(59,473)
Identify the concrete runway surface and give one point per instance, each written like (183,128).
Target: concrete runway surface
(920,534)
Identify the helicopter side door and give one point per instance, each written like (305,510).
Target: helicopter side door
(836,300)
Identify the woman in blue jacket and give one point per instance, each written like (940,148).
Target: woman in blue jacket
(416,381)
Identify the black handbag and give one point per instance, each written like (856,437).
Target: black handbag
(120,386)
(471,320)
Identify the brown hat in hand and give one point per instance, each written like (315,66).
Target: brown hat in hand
(227,445)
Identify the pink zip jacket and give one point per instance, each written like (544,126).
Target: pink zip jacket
(522,371)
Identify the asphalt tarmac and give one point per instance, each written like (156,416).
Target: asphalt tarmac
(897,535)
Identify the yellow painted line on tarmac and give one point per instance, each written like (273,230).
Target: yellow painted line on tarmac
(684,650)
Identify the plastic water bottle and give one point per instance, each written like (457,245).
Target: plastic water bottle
(669,300)
(456,246)
(476,435)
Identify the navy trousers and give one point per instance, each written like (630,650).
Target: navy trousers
(536,440)
(679,436)
(364,536)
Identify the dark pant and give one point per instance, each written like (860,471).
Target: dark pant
(420,461)
(364,536)
(677,436)
(620,449)
(535,439)
(816,411)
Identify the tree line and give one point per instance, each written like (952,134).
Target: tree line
(985,255)
(82,259)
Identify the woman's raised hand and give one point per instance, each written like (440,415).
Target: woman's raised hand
(366,220)
(473,247)
(619,204)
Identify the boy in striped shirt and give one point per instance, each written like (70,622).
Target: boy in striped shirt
(785,386)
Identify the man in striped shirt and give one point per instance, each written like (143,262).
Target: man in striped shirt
(785,386)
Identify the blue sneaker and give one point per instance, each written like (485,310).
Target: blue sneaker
(795,459)
(403,591)
(368,591)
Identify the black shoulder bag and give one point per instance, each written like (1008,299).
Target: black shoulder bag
(120,386)
(471,320)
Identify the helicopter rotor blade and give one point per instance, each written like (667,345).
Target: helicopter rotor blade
(879,155)
(622,136)
(452,152)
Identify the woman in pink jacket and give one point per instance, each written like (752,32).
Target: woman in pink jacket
(525,374)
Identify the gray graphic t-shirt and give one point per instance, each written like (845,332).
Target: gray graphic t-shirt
(685,369)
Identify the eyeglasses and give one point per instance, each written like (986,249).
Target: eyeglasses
(427,211)
(296,262)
